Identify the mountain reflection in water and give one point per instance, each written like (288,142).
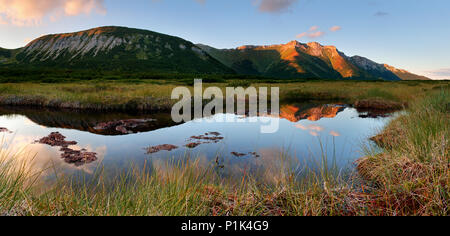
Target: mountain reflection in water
(306,131)
(113,123)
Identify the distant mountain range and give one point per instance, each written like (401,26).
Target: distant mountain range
(311,60)
(120,48)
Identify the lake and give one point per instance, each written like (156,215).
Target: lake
(307,133)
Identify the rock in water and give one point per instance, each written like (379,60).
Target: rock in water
(164,147)
(77,157)
(56,139)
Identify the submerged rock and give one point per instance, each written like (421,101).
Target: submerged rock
(77,157)
(164,147)
(253,154)
(56,139)
(212,136)
(192,145)
(193,142)
(237,154)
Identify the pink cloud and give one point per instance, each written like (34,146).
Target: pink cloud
(335,134)
(316,128)
(76,7)
(300,126)
(316,34)
(314,28)
(311,35)
(267,6)
(26,12)
(274,6)
(335,28)
(302,35)
(312,128)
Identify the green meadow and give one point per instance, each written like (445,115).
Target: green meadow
(407,175)
(152,92)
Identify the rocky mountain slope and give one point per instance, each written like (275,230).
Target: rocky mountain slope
(113,48)
(125,49)
(403,74)
(311,60)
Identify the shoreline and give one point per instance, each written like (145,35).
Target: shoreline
(111,96)
(408,175)
(142,105)
(153,105)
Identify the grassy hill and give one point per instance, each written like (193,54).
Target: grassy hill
(119,48)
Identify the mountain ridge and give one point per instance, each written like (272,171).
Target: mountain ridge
(129,49)
(111,48)
(305,60)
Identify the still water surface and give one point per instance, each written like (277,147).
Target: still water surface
(306,132)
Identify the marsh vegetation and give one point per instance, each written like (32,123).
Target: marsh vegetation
(408,174)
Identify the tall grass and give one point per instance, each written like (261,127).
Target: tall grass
(135,192)
(184,188)
(16,181)
(412,174)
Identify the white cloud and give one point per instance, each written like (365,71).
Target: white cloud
(440,74)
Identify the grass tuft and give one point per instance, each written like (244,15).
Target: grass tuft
(411,175)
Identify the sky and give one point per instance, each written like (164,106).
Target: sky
(408,34)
